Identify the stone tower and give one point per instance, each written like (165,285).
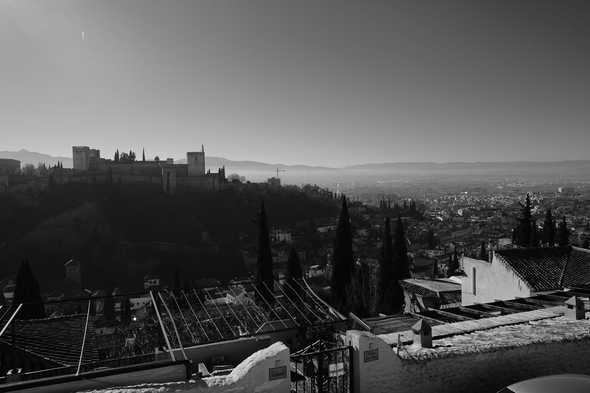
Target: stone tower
(196,162)
(81,157)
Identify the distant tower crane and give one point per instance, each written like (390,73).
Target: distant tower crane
(280,170)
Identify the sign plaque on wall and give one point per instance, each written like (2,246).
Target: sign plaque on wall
(275,373)
(371,355)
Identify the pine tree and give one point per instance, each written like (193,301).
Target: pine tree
(549,229)
(264,277)
(342,264)
(400,252)
(28,293)
(563,234)
(387,280)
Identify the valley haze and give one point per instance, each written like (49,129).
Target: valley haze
(374,173)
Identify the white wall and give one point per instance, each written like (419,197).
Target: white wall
(373,363)
(493,281)
(482,372)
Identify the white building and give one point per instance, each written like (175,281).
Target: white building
(523,272)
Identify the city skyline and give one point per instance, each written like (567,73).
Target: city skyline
(298,83)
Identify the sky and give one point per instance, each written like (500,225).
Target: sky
(312,82)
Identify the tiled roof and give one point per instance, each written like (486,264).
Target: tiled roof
(545,269)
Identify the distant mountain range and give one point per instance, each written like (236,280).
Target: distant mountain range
(30,157)
(380,172)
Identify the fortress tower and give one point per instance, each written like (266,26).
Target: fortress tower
(196,162)
(85,158)
(81,156)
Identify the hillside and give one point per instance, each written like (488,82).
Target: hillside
(120,233)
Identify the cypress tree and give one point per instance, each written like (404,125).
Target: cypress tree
(27,291)
(483,255)
(264,276)
(294,273)
(435,272)
(549,229)
(453,263)
(534,241)
(563,234)
(126,311)
(431,238)
(386,280)
(357,292)
(400,252)
(524,228)
(342,264)
(108,309)
(143,155)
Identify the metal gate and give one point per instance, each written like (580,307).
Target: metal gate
(322,371)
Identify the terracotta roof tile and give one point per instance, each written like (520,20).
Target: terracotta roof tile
(547,269)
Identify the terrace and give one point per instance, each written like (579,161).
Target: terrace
(176,325)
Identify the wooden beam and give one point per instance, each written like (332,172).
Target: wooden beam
(545,302)
(499,308)
(555,298)
(520,306)
(430,319)
(479,313)
(450,315)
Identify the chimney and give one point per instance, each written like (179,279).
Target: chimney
(575,309)
(422,334)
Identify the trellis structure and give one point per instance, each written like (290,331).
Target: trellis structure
(239,309)
(79,335)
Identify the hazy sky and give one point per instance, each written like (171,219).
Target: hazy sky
(293,81)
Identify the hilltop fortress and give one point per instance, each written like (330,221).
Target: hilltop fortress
(125,168)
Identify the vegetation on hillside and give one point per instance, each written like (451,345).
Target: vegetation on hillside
(122,232)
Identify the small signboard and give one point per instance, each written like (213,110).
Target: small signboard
(275,373)
(371,355)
